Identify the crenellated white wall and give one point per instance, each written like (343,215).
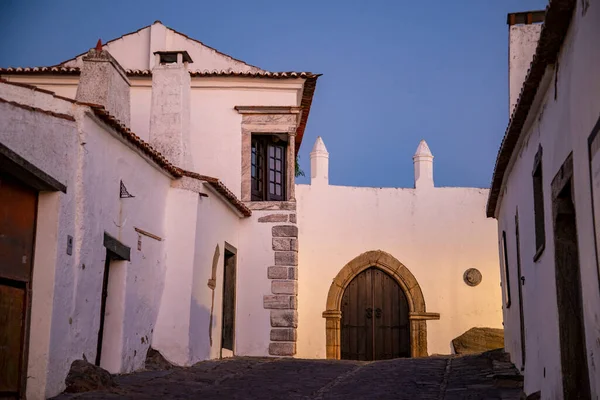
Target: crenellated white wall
(561,126)
(437,233)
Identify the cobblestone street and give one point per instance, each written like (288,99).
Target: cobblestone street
(482,376)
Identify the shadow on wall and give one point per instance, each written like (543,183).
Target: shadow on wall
(200,347)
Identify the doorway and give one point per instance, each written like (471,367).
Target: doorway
(115,251)
(520,283)
(18,206)
(229,283)
(375,318)
(573,353)
(103,306)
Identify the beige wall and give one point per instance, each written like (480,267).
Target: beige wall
(437,233)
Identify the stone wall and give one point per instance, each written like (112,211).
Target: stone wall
(282,301)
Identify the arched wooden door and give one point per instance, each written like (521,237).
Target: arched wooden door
(375,324)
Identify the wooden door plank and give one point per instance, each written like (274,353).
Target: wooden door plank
(356,327)
(228,325)
(12,329)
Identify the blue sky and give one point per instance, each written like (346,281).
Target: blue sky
(394,71)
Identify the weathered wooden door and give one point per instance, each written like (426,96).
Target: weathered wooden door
(229,276)
(521,282)
(375,324)
(103,307)
(573,352)
(18,205)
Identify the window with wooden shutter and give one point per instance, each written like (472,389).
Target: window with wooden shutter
(505,271)
(538,206)
(268,168)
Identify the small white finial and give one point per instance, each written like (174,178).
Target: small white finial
(423,150)
(319,163)
(319,146)
(423,163)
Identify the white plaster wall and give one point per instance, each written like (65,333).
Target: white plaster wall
(204,57)
(66,295)
(257,256)
(437,233)
(215,126)
(216,224)
(47,142)
(522,41)
(141,102)
(94,207)
(132,50)
(135,50)
(216,135)
(171,337)
(51,222)
(561,125)
(35,98)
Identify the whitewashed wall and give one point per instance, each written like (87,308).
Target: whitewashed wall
(560,125)
(34,136)
(216,224)
(86,157)
(135,50)
(437,233)
(215,126)
(135,286)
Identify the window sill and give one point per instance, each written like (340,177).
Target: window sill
(271,205)
(539,252)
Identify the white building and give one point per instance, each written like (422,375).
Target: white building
(545,197)
(184,235)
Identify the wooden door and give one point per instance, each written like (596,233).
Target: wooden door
(520,283)
(18,205)
(103,307)
(229,277)
(573,352)
(375,323)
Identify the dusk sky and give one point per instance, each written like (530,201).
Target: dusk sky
(394,72)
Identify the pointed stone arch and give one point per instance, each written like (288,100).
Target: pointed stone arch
(389,264)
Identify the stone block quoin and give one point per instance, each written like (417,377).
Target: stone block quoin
(282,302)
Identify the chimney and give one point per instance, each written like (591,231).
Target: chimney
(523,34)
(319,163)
(103,81)
(423,163)
(170,110)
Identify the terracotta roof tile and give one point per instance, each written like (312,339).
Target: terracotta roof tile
(307,94)
(222,189)
(161,161)
(40,70)
(557,21)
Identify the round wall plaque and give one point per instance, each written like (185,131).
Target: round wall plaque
(472,277)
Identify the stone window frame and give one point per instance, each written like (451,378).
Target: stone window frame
(269,120)
(407,281)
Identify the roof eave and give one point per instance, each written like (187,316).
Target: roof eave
(308,92)
(557,20)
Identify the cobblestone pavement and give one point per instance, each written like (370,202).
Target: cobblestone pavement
(483,376)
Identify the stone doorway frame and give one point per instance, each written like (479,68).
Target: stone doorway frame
(389,264)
